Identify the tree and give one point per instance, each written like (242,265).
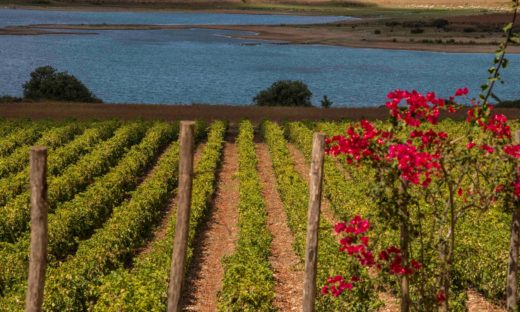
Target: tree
(285,93)
(47,83)
(325,102)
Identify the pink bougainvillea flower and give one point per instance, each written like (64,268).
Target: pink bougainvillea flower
(512,150)
(441,296)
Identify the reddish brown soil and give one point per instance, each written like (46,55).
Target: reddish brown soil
(62,110)
(288,269)
(216,240)
(477,303)
(391,303)
(495,19)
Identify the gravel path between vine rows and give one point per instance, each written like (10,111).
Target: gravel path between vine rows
(162,229)
(216,239)
(477,303)
(303,168)
(287,266)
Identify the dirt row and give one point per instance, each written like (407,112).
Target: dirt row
(231,113)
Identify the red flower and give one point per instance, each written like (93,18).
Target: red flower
(512,150)
(338,286)
(487,148)
(416,167)
(461,92)
(441,296)
(415,264)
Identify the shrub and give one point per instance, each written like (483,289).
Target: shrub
(47,83)
(440,22)
(469,30)
(392,23)
(509,104)
(416,30)
(325,102)
(9,99)
(284,93)
(377,32)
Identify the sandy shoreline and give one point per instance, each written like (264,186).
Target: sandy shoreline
(325,34)
(400,30)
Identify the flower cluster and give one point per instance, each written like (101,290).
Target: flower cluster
(355,242)
(392,256)
(429,137)
(497,124)
(416,167)
(441,296)
(512,150)
(359,144)
(337,285)
(419,107)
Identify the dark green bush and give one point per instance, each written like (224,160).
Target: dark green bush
(440,22)
(9,99)
(416,30)
(47,83)
(284,93)
(326,102)
(509,104)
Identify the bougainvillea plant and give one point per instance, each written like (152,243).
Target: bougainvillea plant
(406,155)
(411,160)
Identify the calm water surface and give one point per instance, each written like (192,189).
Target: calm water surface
(208,66)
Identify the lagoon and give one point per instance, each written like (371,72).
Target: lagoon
(210,66)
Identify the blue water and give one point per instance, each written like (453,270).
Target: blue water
(207,66)
(9,17)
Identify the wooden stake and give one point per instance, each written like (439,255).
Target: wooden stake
(313,222)
(187,142)
(39,239)
(514,244)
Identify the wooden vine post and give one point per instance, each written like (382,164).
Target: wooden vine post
(512,273)
(313,221)
(39,238)
(187,142)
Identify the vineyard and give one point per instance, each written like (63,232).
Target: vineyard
(112,193)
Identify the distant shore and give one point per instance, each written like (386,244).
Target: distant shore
(467,34)
(394,25)
(61,110)
(358,8)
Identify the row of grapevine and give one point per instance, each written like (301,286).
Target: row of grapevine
(248,283)
(77,219)
(23,136)
(8,126)
(15,215)
(52,138)
(294,194)
(68,284)
(58,159)
(144,286)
